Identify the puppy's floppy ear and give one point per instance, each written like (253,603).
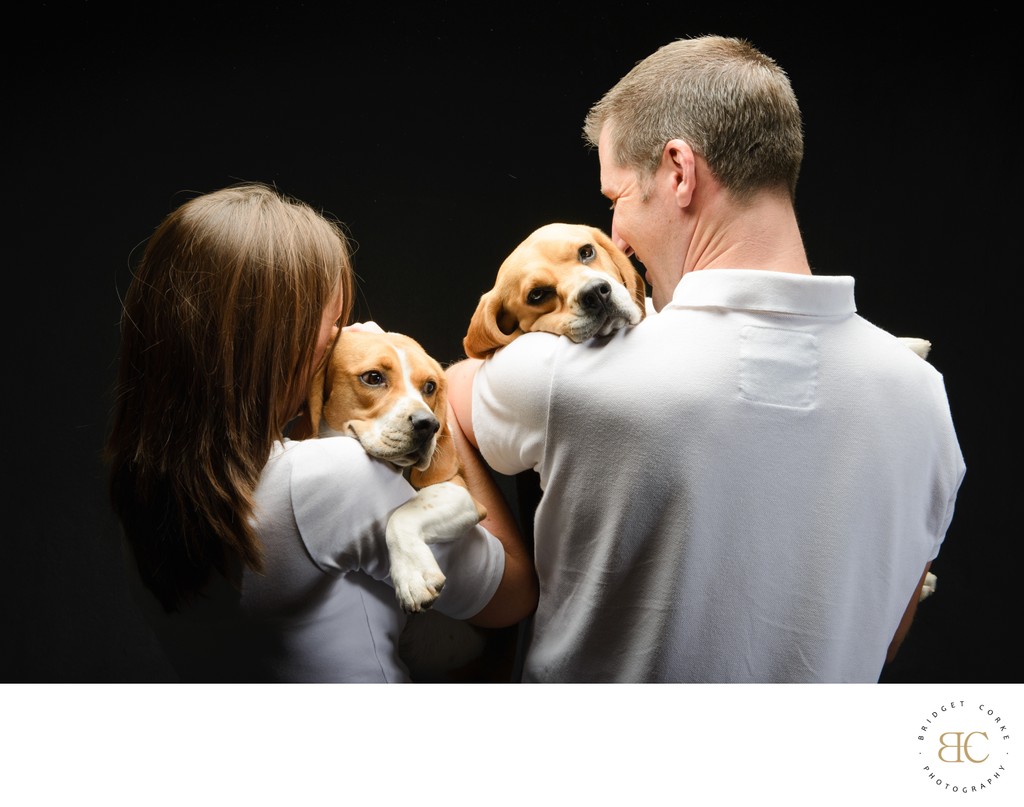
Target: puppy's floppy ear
(491,327)
(308,424)
(631,278)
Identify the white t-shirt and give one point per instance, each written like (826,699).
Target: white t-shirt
(745,486)
(324,610)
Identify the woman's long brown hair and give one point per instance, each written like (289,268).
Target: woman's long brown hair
(218,334)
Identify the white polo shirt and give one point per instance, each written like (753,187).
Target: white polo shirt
(324,609)
(745,486)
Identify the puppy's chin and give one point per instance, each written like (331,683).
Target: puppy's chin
(616,323)
(425,455)
(582,328)
(418,459)
(403,454)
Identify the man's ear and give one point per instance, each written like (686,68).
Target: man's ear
(678,158)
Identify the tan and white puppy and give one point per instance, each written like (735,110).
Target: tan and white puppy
(388,393)
(566,279)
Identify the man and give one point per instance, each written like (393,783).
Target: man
(751,484)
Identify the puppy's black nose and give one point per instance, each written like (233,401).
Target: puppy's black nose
(424,423)
(594,296)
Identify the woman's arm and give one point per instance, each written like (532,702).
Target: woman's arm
(517,594)
(908,618)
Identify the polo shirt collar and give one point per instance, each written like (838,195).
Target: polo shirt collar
(762,290)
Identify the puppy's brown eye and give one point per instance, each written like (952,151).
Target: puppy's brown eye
(586,253)
(372,378)
(430,388)
(539,295)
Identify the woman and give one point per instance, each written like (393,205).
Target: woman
(258,558)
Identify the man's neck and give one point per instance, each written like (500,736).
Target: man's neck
(761,234)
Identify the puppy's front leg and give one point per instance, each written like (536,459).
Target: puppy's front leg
(436,514)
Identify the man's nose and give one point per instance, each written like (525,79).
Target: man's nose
(620,243)
(617,240)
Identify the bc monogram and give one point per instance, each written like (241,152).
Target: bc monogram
(961,744)
(964,747)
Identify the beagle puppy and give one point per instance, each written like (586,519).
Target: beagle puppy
(384,390)
(566,279)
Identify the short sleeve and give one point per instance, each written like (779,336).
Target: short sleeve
(342,498)
(473,566)
(511,394)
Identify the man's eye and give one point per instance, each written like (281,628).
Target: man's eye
(430,388)
(539,295)
(586,253)
(372,378)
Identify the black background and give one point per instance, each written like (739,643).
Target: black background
(441,135)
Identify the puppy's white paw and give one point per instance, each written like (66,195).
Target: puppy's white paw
(417,578)
(436,514)
(920,346)
(930,582)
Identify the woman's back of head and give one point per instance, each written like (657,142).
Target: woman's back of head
(218,335)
